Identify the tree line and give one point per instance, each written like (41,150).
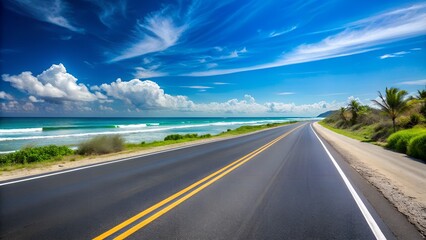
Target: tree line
(393,104)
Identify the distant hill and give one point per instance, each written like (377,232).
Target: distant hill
(326,114)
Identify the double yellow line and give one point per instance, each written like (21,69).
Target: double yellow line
(196,187)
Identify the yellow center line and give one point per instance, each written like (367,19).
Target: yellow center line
(219,174)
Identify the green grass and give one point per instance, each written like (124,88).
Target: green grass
(34,155)
(42,156)
(248,129)
(358,135)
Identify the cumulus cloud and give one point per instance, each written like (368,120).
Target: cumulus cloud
(46,11)
(6,96)
(53,84)
(248,105)
(34,99)
(145,95)
(105,108)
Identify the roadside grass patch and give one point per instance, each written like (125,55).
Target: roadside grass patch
(35,154)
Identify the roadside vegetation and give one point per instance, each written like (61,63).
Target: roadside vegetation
(398,122)
(101,145)
(31,156)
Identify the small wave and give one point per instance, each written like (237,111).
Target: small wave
(21,130)
(55,128)
(132,126)
(153,124)
(7,152)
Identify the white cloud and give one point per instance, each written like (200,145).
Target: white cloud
(212,65)
(53,84)
(147,73)
(416,49)
(6,96)
(197,87)
(314,108)
(10,106)
(235,53)
(393,55)
(359,37)
(34,99)
(29,106)
(105,108)
(145,95)
(286,93)
(159,31)
(221,83)
(46,11)
(247,105)
(219,49)
(417,82)
(279,33)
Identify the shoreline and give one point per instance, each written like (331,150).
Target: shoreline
(67,164)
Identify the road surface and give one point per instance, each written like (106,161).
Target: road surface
(282,183)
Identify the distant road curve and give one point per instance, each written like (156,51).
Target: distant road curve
(282,183)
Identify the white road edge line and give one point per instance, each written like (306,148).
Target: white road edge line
(367,215)
(123,159)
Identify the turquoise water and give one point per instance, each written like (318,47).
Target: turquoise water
(16,133)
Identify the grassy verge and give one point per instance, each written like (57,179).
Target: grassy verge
(361,135)
(411,141)
(42,156)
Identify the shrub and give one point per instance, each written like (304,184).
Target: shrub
(101,145)
(35,154)
(206,136)
(399,140)
(175,137)
(417,147)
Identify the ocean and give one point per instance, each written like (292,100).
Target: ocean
(16,133)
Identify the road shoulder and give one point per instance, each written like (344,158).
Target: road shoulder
(399,178)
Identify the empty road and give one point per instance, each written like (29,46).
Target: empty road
(281,183)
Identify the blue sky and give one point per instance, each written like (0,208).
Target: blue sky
(205,58)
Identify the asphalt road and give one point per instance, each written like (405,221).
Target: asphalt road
(276,184)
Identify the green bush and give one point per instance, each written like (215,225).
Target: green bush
(417,147)
(101,145)
(175,137)
(35,154)
(399,140)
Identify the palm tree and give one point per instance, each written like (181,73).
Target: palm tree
(421,96)
(354,107)
(342,113)
(393,104)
